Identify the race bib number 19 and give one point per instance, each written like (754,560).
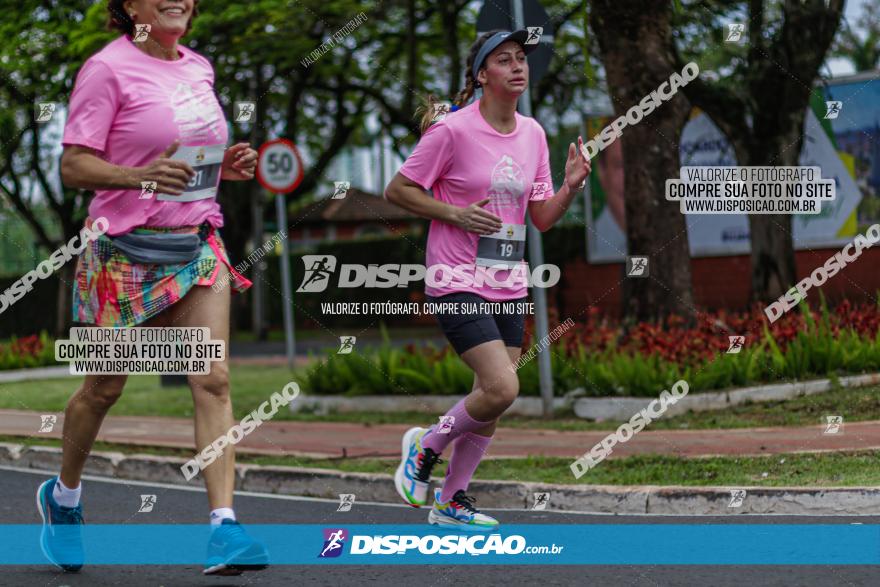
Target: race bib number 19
(206,162)
(505,247)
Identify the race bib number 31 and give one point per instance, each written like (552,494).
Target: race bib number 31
(505,247)
(206,162)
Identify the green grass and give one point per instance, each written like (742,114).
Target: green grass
(810,470)
(854,404)
(813,470)
(252,385)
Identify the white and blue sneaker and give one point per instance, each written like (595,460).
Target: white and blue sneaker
(231,551)
(61,537)
(460,513)
(414,472)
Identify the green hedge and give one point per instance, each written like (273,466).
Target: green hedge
(27,352)
(814,352)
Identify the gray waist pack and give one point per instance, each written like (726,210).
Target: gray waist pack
(160,248)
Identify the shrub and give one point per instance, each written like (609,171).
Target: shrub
(27,352)
(603,360)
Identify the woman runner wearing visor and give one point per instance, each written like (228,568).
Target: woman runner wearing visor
(486,165)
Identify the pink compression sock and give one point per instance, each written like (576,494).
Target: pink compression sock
(462,424)
(467,452)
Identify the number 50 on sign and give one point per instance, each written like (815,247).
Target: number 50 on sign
(279,167)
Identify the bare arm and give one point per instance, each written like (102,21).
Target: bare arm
(412,197)
(545,213)
(82,168)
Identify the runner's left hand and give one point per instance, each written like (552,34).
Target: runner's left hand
(577,167)
(239,162)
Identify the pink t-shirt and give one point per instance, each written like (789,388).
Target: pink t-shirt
(130,107)
(462,160)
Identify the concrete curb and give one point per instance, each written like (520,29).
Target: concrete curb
(324,404)
(609,499)
(55,372)
(592,408)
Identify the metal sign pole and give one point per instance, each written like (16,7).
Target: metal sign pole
(286,289)
(257,290)
(536,255)
(588,209)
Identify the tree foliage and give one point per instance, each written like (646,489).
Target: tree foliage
(860,43)
(758,95)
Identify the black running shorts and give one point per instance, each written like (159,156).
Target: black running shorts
(466,330)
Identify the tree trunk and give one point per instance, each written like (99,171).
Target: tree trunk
(63,300)
(449,16)
(258,137)
(772,248)
(236,231)
(636,48)
(760,109)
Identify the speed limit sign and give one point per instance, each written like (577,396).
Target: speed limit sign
(279,168)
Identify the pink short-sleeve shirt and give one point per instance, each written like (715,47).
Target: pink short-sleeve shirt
(130,107)
(462,159)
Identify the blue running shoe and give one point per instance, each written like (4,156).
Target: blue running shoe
(460,513)
(231,551)
(414,472)
(61,537)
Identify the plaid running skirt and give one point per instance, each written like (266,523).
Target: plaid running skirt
(110,290)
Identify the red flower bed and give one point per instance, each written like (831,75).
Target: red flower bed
(29,346)
(28,351)
(675,342)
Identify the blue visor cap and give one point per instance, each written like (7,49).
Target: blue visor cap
(520,36)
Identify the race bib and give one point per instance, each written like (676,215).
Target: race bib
(505,247)
(206,162)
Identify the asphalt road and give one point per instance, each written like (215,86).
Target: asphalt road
(108,501)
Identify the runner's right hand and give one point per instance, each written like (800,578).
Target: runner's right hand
(171,175)
(474,218)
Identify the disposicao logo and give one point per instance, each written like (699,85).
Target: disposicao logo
(334,541)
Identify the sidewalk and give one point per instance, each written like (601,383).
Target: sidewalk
(361,440)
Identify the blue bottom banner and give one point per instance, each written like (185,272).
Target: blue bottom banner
(526,544)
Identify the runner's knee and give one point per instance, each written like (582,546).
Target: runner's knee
(216,383)
(101,394)
(501,391)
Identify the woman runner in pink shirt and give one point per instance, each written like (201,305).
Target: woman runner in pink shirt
(486,165)
(145,132)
